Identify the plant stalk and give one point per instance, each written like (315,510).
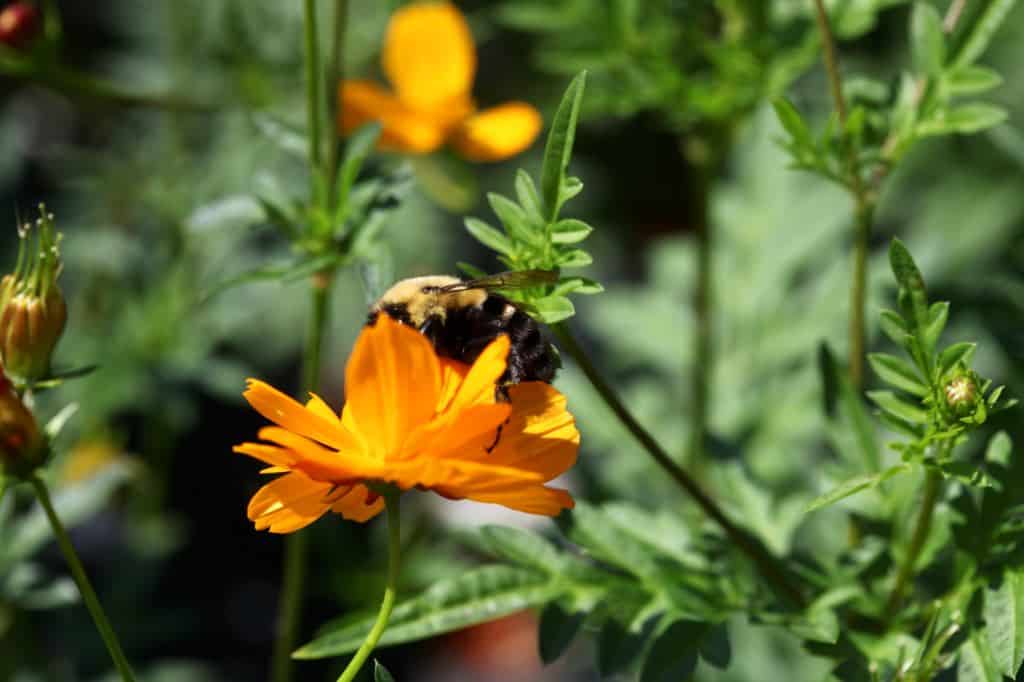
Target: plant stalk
(858,290)
(85,588)
(765,562)
(296,544)
(932,488)
(313,76)
(703,329)
(392,505)
(332,84)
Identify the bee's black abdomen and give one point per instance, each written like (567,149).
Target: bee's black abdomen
(467,331)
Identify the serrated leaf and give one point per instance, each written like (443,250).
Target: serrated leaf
(927,40)
(473,597)
(489,236)
(551,309)
(556,631)
(1004,622)
(512,217)
(982,30)
(909,277)
(952,356)
(971,80)
(853,486)
(529,200)
(976,664)
(673,656)
(898,407)
(521,547)
(964,119)
(558,149)
(570,231)
(381,674)
(898,373)
(574,258)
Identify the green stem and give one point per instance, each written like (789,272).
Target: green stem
(702,305)
(932,488)
(765,562)
(391,502)
(92,602)
(335,76)
(858,290)
(313,99)
(296,544)
(831,62)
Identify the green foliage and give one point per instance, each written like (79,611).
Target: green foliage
(534,236)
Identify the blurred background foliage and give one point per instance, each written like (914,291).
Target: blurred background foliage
(157,207)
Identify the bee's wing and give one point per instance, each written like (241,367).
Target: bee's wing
(518,279)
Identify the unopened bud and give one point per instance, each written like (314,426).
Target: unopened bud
(32,308)
(19,24)
(22,447)
(962,394)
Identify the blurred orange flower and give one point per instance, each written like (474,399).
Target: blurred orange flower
(413,420)
(430,59)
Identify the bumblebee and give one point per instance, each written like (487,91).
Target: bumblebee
(461,317)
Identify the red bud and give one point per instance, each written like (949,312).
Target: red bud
(19,24)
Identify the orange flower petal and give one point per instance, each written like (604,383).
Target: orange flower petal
(532,500)
(282,410)
(429,56)
(402,129)
(288,503)
(353,504)
(316,461)
(498,133)
(317,406)
(270,454)
(392,380)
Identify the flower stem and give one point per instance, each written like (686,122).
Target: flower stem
(703,329)
(333,81)
(765,562)
(296,544)
(932,488)
(92,602)
(391,503)
(313,100)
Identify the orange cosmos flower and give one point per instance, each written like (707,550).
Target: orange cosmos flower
(430,59)
(413,420)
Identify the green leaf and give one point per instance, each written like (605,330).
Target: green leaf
(357,149)
(576,285)
(489,236)
(618,647)
(909,277)
(853,486)
(574,258)
(381,674)
(521,547)
(1004,622)
(894,327)
(715,647)
(512,217)
(557,630)
(526,193)
(851,407)
(999,448)
(570,188)
(927,40)
(473,597)
(898,407)
(558,149)
(952,356)
(938,314)
(793,123)
(965,119)
(982,30)
(551,309)
(673,656)
(971,80)
(976,664)
(898,373)
(570,231)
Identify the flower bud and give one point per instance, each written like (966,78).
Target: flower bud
(32,308)
(19,24)
(22,447)
(962,394)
